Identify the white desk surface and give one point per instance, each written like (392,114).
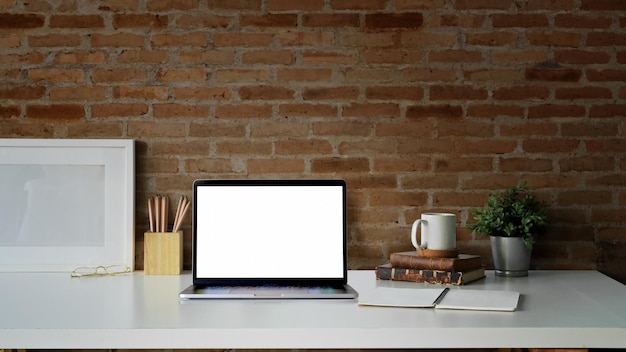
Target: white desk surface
(569,309)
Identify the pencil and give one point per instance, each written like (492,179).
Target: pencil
(150,215)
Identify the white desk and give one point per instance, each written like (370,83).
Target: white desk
(569,309)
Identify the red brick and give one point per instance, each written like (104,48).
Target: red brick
(7,112)
(454,55)
(118,5)
(118,109)
(78,93)
(330,20)
(197,39)
(117,40)
(275,165)
(603,5)
(521,93)
(519,20)
(269,57)
(428,75)
(143,56)
(56,112)
(168,5)
(586,198)
(206,57)
(271,128)
(303,146)
(22,92)
(175,110)
(457,93)
(555,75)
(520,56)
(582,57)
(376,110)
(244,147)
(577,93)
(339,165)
(242,39)
(553,145)
(269,20)
(342,128)
(141,92)
(589,129)
(492,38)
(393,20)
(511,164)
(554,110)
(148,129)
(118,75)
(254,5)
(54,40)
(582,21)
(304,74)
(434,110)
(464,164)
(368,147)
(419,5)
(422,39)
(319,57)
(457,199)
(80,57)
(488,146)
(484,130)
(467,20)
(289,5)
(182,75)
(139,20)
(390,56)
(242,75)
(76,21)
(554,39)
(21,21)
(204,21)
(217,130)
(425,146)
(331,93)
(202,93)
(397,198)
(301,38)
(96,129)
(415,128)
(605,39)
(587,164)
(243,111)
(395,93)
(56,75)
(309,110)
(482,4)
(265,93)
(494,110)
(608,75)
(608,110)
(402,164)
(358,4)
(208,165)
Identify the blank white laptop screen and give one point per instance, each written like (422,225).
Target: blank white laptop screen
(269,231)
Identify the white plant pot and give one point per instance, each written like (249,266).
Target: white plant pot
(511,257)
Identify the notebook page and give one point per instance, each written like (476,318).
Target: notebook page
(402,297)
(480,300)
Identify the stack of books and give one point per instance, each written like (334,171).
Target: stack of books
(410,266)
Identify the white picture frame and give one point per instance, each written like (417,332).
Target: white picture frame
(66,203)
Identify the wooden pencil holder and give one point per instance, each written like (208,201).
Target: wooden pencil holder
(163,253)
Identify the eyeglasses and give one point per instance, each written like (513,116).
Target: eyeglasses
(100,270)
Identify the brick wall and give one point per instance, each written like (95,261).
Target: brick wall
(419,104)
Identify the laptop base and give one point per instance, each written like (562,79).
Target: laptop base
(268,292)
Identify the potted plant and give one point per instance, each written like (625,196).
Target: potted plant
(513,219)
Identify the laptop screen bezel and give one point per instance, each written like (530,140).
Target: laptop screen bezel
(268,280)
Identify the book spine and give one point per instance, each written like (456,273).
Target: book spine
(419,275)
(414,262)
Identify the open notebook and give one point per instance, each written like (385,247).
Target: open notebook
(442,298)
(269,239)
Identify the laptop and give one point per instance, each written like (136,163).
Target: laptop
(264,239)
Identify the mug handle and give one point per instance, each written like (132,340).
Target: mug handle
(416,224)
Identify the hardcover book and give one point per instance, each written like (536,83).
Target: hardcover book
(388,272)
(411,259)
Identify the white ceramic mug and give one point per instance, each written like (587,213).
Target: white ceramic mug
(438,231)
